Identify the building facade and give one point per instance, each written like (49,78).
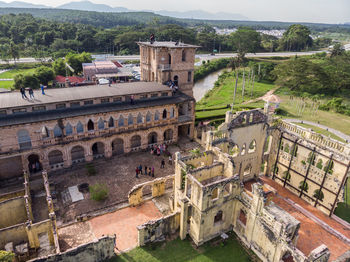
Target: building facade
(165,61)
(71,125)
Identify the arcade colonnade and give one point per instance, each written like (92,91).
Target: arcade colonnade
(64,156)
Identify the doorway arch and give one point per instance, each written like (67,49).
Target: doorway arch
(34,164)
(118,146)
(152,138)
(98,149)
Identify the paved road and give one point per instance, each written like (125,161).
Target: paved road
(200,56)
(332,130)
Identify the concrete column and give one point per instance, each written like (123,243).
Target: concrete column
(183,218)
(108,149)
(32,237)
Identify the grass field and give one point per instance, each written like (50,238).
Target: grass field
(328,118)
(10,75)
(222,93)
(178,250)
(321,131)
(6,84)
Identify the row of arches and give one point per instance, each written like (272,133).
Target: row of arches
(78,153)
(235,150)
(111,123)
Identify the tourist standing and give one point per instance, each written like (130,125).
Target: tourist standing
(42,87)
(23,92)
(152,171)
(140,169)
(146,170)
(162,165)
(31,93)
(170,160)
(137,172)
(149,171)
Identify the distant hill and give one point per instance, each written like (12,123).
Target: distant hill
(199,14)
(18,4)
(113,19)
(89,6)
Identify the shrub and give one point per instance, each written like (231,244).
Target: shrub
(6,256)
(98,192)
(90,169)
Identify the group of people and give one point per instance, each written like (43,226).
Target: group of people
(31,92)
(147,171)
(158,149)
(173,87)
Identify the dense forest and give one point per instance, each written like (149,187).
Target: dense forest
(110,20)
(24,35)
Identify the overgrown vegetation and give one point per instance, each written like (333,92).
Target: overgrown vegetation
(90,168)
(182,250)
(6,256)
(98,192)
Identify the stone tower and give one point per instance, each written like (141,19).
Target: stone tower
(164,61)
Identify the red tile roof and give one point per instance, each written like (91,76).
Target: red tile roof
(72,79)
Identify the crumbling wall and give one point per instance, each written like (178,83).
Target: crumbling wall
(157,230)
(14,194)
(12,212)
(16,234)
(99,250)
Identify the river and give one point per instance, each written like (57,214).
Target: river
(205,84)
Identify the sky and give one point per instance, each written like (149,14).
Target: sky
(324,11)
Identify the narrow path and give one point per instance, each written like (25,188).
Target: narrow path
(261,97)
(332,130)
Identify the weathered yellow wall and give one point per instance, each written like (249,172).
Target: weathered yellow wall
(10,195)
(15,234)
(12,212)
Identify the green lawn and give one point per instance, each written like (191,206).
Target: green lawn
(321,131)
(6,84)
(11,73)
(222,93)
(178,251)
(328,118)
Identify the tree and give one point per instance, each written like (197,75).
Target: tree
(296,38)
(14,51)
(245,40)
(28,80)
(59,67)
(337,50)
(76,61)
(44,74)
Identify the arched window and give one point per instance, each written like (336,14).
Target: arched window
(172,112)
(148,117)
(57,131)
(218,217)
(215,194)
(168,135)
(69,129)
(90,125)
(319,164)
(318,194)
(80,128)
(121,121)
(139,118)
(169,58)
(101,124)
(111,122)
(164,114)
(183,55)
(243,150)
(24,140)
(242,217)
(156,116)
(252,147)
(130,120)
(176,80)
(45,132)
(304,186)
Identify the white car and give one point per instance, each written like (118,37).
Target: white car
(103,81)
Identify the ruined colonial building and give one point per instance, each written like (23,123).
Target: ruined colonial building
(239,184)
(72,125)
